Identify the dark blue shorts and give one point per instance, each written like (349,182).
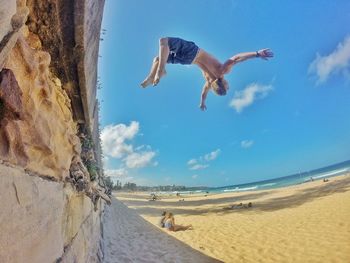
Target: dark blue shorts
(181,51)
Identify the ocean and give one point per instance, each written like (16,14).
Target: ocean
(294,179)
(299,178)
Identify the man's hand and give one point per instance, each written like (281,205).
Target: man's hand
(265,53)
(205,90)
(202,106)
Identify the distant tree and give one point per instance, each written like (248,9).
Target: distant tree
(117,186)
(109,182)
(130,186)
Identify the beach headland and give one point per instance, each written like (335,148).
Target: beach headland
(301,223)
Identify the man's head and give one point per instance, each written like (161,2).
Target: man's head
(220,86)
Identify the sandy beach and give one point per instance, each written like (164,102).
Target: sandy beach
(302,223)
(128,238)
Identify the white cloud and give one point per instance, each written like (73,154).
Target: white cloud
(246,97)
(116,173)
(192,162)
(212,156)
(139,148)
(120,174)
(105,160)
(139,160)
(194,176)
(113,139)
(247,143)
(202,161)
(114,142)
(199,166)
(337,61)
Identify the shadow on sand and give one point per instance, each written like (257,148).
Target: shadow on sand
(268,205)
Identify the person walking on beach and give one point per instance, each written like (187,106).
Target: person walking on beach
(175,50)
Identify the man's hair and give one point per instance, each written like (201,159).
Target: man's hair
(220,86)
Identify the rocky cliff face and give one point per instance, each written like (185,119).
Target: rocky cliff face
(37,128)
(48,67)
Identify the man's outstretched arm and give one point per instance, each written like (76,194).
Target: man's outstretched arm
(262,53)
(205,91)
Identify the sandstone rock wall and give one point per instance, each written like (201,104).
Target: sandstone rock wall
(45,221)
(42,136)
(8,9)
(48,73)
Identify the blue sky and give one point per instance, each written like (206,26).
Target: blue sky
(281,116)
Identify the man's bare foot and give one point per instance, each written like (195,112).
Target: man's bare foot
(159,74)
(148,81)
(156,80)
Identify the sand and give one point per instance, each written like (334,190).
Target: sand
(303,223)
(127,237)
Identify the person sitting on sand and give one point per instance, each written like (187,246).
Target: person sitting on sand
(240,205)
(154,197)
(171,226)
(175,50)
(165,215)
(248,205)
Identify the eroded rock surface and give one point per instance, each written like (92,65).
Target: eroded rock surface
(7,10)
(45,130)
(45,221)
(48,67)
(11,110)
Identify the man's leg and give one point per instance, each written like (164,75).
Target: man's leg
(163,57)
(150,77)
(181,228)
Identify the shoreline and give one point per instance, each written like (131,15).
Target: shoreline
(172,195)
(276,228)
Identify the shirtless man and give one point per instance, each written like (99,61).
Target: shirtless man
(174,50)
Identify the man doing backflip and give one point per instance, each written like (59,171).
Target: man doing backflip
(175,50)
